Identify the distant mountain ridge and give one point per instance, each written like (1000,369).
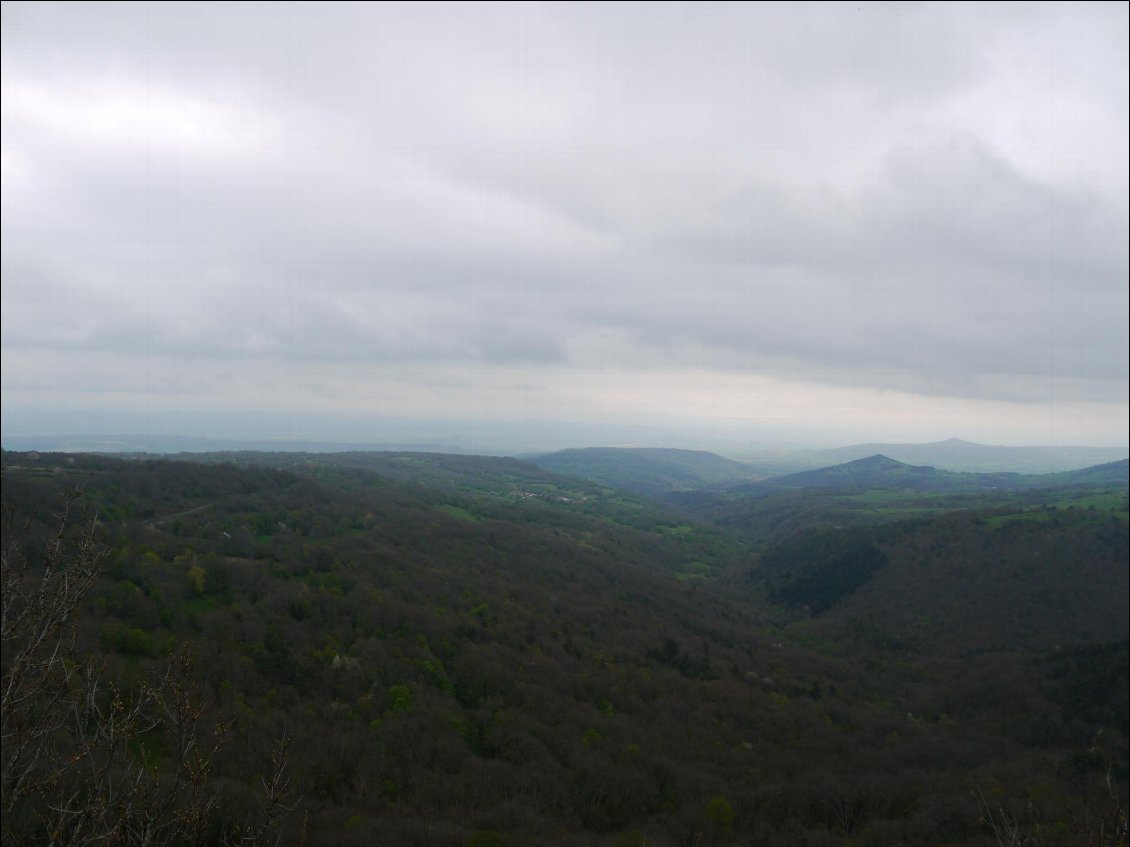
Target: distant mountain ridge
(957,455)
(647,470)
(167,445)
(881,471)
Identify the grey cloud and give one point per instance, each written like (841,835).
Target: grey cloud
(808,193)
(951,201)
(958,263)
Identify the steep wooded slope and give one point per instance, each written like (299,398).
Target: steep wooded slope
(475,649)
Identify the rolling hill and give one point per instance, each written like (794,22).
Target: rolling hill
(883,472)
(647,470)
(957,455)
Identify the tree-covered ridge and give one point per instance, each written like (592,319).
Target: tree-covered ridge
(459,655)
(765,513)
(954,454)
(882,472)
(646,470)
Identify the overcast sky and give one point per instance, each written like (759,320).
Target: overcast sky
(846,222)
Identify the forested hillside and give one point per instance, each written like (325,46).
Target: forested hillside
(882,472)
(454,650)
(955,454)
(647,470)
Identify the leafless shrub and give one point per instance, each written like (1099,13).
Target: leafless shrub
(84,759)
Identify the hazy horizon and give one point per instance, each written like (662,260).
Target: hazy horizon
(817,224)
(175,433)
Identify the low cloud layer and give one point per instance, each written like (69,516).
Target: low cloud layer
(920,199)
